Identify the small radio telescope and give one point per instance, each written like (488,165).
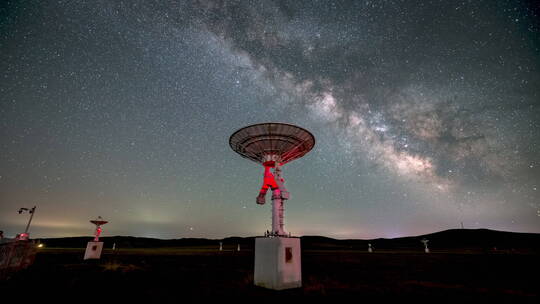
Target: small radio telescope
(277,255)
(94,248)
(25,235)
(98,222)
(273,145)
(425,241)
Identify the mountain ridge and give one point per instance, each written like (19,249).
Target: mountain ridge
(446,239)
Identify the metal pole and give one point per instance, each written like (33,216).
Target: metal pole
(276,200)
(279,196)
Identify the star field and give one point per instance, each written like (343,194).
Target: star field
(426,115)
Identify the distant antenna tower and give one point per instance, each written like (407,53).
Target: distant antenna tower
(220,246)
(425,241)
(277,255)
(25,235)
(94,248)
(370,249)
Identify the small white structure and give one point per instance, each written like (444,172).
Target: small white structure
(220,246)
(425,241)
(238,247)
(94,248)
(278,262)
(369,248)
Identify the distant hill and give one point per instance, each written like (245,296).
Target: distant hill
(484,239)
(142,242)
(477,239)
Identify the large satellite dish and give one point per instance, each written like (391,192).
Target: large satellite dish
(267,143)
(273,145)
(277,254)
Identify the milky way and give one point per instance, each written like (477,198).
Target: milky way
(426,115)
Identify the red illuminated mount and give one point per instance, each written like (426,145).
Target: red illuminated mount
(275,182)
(270,164)
(268,182)
(23,237)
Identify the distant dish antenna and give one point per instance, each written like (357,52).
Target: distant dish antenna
(94,248)
(98,222)
(25,235)
(277,255)
(425,241)
(370,249)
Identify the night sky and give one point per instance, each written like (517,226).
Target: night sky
(426,115)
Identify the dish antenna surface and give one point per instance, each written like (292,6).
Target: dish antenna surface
(277,255)
(273,145)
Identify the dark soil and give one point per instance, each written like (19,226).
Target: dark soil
(175,275)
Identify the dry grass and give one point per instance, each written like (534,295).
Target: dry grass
(162,274)
(115,266)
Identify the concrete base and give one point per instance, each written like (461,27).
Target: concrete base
(93,250)
(278,263)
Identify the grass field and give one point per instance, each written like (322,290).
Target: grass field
(171,274)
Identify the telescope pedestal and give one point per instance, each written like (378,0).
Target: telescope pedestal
(278,263)
(93,250)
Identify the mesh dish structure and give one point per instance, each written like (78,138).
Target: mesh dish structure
(98,223)
(264,141)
